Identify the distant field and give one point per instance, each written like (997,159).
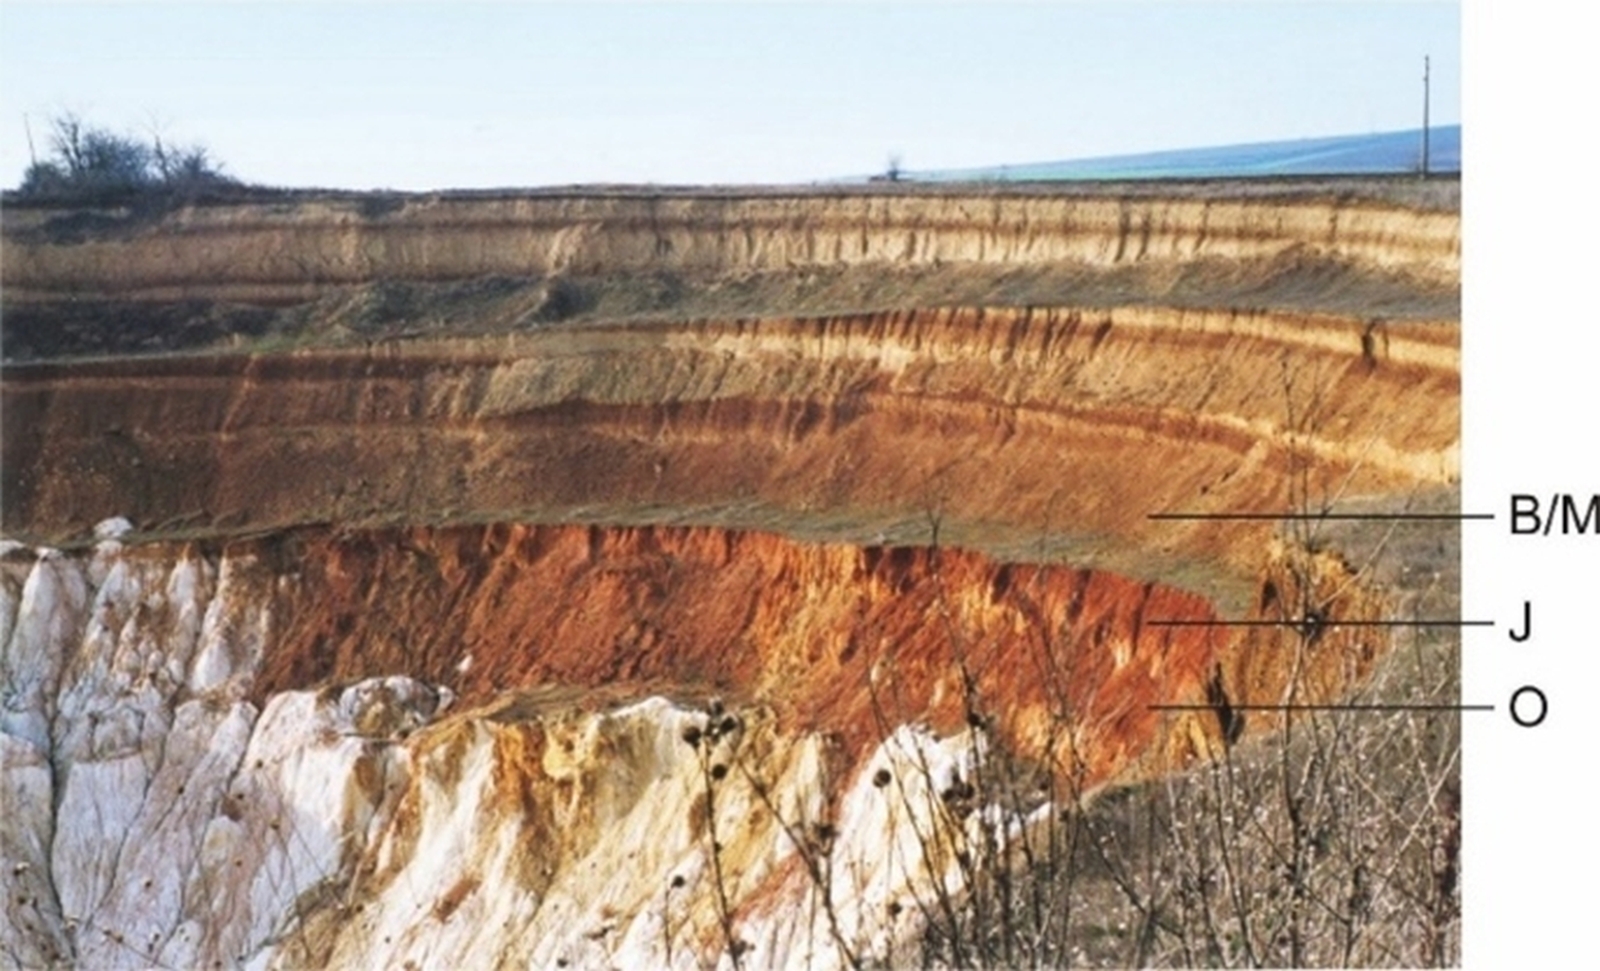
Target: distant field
(1376,154)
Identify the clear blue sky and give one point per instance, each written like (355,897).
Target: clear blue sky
(420,96)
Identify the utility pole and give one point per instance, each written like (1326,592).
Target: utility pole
(1425,73)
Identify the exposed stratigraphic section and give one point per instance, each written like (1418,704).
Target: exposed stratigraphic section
(269,252)
(331,270)
(232,756)
(686,580)
(1035,434)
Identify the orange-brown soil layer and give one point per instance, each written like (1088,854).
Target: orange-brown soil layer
(1032,433)
(844,640)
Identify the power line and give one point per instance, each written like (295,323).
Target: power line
(1425,73)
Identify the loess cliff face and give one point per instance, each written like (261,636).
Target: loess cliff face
(1059,430)
(271,252)
(488,594)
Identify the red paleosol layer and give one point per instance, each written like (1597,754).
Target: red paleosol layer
(843,640)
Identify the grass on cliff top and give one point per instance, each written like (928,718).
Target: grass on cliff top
(1440,192)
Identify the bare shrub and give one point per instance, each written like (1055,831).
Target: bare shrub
(90,163)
